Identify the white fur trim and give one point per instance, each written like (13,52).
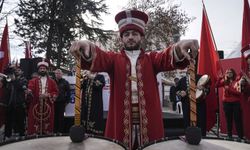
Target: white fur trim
(42,63)
(135,21)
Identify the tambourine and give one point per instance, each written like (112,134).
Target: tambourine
(203,81)
(199,93)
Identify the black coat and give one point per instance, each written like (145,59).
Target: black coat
(64,91)
(92,105)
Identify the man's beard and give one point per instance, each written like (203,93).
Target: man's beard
(131,48)
(42,73)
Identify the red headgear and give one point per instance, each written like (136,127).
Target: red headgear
(131,20)
(43,63)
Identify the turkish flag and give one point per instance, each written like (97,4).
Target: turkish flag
(4,51)
(4,61)
(245,53)
(208,64)
(245,41)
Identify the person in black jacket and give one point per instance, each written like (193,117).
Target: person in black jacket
(92,103)
(182,91)
(172,94)
(61,101)
(15,96)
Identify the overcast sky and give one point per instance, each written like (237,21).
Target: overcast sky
(225,17)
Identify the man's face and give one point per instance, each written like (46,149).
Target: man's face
(131,40)
(42,70)
(18,71)
(58,74)
(230,74)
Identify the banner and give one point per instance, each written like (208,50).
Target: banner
(208,64)
(4,50)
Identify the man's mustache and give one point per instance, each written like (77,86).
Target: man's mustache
(131,41)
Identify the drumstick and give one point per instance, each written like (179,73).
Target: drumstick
(78,93)
(77,132)
(192,133)
(192,94)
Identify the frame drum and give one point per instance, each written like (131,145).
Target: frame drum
(203,80)
(199,94)
(64,143)
(205,144)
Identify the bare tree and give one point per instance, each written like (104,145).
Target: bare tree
(167,22)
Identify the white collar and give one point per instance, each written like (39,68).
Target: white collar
(132,53)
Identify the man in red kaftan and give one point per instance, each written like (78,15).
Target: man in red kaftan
(42,93)
(135,115)
(245,88)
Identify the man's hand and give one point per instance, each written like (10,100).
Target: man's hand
(183,93)
(28,92)
(81,49)
(187,49)
(45,95)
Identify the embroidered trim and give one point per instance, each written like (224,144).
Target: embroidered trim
(41,111)
(88,97)
(142,107)
(126,119)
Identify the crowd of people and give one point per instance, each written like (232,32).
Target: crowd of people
(29,104)
(37,106)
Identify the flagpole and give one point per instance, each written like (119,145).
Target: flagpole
(221,69)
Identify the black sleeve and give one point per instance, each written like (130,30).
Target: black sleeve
(67,91)
(182,84)
(172,94)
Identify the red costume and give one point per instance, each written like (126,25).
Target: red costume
(231,104)
(231,93)
(41,111)
(118,66)
(245,70)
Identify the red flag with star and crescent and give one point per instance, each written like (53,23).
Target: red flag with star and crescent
(208,64)
(245,40)
(4,50)
(245,53)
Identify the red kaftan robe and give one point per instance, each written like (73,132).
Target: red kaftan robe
(245,104)
(41,112)
(117,65)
